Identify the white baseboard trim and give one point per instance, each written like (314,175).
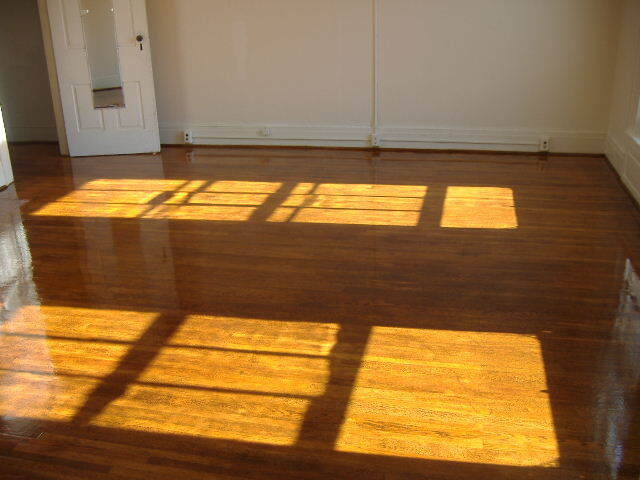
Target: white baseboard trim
(616,154)
(519,140)
(280,135)
(626,164)
(632,175)
(32,134)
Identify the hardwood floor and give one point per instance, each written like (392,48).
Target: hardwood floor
(317,314)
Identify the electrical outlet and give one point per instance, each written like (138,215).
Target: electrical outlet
(188,137)
(266,132)
(376,141)
(545,144)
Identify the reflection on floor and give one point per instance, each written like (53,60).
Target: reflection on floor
(288,314)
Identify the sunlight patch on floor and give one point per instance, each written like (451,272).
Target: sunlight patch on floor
(358,204)
(238,379)
(454,396)
(235,186)
(479,207)
(248,417)
(443,395)
(361,189)
(345,217)
(50,360)
(239,201)
(146,211)
(226,200)
(79,323)
(217,377)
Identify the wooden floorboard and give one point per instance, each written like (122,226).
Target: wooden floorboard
(259,314)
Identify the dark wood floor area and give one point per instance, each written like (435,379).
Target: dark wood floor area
(273,314)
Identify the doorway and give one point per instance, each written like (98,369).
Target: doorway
(25,91)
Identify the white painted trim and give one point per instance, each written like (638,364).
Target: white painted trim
(61,132)
(519,140)
(634,138)
(616,154)
(32,134)
(353,136)
(632,187)
(634,95)
(623,161)
(443,137)
(6,173)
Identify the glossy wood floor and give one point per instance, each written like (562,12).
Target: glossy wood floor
(316,314)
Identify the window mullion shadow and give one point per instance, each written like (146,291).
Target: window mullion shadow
(264,211)
(433,207)
(130,368)
(326,414)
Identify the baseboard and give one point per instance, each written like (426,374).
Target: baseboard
(616,154)
(286,135)
(516,140)
(32,134)
(626,164)
(632,176)
(519,140)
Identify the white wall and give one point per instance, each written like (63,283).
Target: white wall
(495,74)
(496,67)
(492,74)
(623,141)
(252,63)
(24,80)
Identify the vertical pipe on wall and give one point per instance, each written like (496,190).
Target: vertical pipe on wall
(377,50)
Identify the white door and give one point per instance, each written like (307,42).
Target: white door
(6,174)
(103,59)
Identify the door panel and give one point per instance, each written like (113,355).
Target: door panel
(105,131)
(72,26)
(87,117)
(131,116)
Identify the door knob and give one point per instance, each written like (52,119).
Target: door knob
(140,39)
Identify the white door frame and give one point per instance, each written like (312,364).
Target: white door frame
(53,76)
(6,173)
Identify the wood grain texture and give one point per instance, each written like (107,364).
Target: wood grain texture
(316,314)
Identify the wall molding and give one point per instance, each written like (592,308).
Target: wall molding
(616,154)
(626,163)
(294,135)
(518,140)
